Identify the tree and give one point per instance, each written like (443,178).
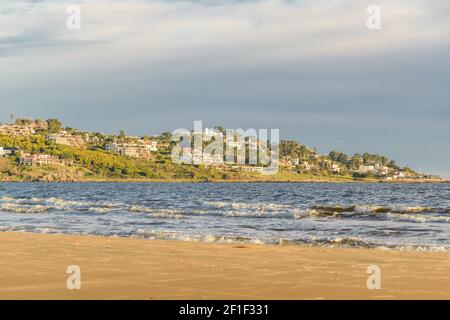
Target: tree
(220,129)
(54,125)
(338,157)
(22,122)
(166,136)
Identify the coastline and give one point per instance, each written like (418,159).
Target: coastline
(55,173)
(312,180)
(33,266)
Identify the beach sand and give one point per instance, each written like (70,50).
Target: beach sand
(33,266)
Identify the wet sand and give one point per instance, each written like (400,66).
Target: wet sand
(33,266)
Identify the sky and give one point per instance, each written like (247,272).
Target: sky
(310,68)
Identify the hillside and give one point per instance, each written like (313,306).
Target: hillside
(88,160)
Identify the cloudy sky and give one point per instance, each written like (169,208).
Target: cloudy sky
(308,67)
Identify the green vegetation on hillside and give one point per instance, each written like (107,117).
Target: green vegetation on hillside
(93,162)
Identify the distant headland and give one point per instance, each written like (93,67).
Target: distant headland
(45,150)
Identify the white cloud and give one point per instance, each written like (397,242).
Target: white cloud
(308,67)
(117,33)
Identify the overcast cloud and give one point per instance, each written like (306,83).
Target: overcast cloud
(309,68)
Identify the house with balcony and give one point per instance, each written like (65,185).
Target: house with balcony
(139,149)
(40,159)
(382,169)
(212,159)
(335,168)
(16,130)
(6,152)
(149,145)
(252,169)
(366,169)
(67,139)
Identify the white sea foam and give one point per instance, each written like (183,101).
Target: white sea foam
(366,208)
(261,206)
(344,242)
(396,213)
(100,209)
(171,235)
(165,213)
(417,218)
(250,209)
(239,213)
(158,213)
(41,205)
(19,208)
(199,212)
(140,209)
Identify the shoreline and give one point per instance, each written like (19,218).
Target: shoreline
(255,242)
(33,266)
(232,181)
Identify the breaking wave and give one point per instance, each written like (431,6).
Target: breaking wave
(42,205)
(396,213)
(339,242)
(261,206)
(292,223)
(172,235)
(250,209)
(158,213)
(355,242)
(413,214)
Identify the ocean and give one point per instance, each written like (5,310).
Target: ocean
(365,215)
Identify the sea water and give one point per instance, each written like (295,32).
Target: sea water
(411,216)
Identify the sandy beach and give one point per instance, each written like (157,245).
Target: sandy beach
(33,266)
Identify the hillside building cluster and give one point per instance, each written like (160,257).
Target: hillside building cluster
(137,149)
(297,158)
(40,159)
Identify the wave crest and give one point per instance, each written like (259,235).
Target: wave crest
(395,213)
